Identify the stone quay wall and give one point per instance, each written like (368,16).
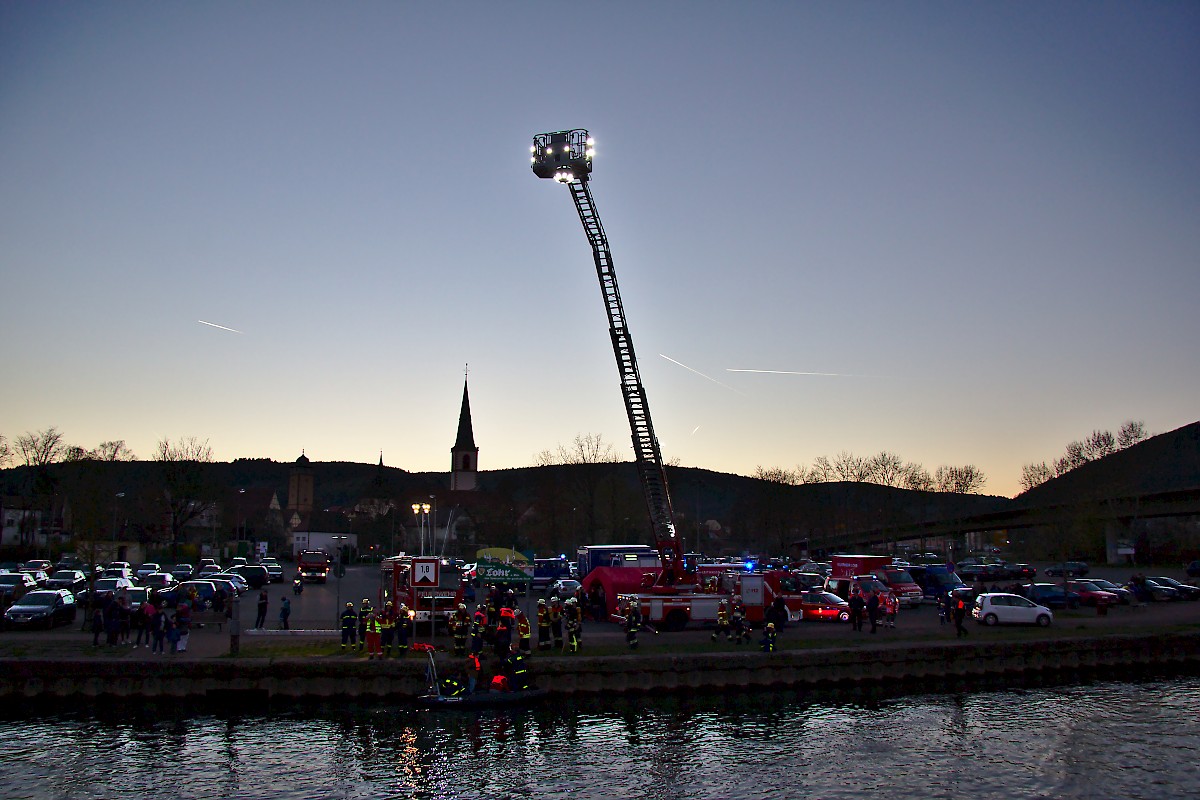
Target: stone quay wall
(919,666)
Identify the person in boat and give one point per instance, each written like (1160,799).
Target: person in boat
(453,686)
(517,669)
(474,668)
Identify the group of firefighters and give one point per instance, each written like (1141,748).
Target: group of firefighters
(377,632)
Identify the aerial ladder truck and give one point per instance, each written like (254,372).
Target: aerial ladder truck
(566,156)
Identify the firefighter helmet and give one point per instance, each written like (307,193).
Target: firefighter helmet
(542,602)
(770,626)
(462,606)
(349,605)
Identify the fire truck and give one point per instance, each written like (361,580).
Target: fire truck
(431,587)
(673,597)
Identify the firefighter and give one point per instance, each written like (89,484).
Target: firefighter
(460,627)
(372,632)
(741,626)
(633,623)
(349,627)
(722,622)
(504,632)
(767,643)
(556,622)
(478,629)
(364,611)
(517,669)
(403,626)
(524,632)
(573,616)
(543,625)
(473,670)
(387,628)
(451,686)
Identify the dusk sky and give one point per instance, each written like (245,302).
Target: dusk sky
(981,221)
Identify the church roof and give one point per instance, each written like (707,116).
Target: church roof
(466,437)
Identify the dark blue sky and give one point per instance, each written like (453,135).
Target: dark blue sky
(982,218)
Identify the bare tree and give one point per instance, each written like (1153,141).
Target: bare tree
(1131,433)
(822,471)
(778,475)
(187,493)
(115,450)
(6,452)
(589,454)
(849,467)
(959,480)
(886,468)
(1035,475)
(42,448)
(917,478)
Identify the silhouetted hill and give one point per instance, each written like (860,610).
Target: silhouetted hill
(1164,463)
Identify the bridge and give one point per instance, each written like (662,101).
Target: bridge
(1116,513)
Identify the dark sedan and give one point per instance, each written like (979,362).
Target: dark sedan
(1186,591)
(1050,595)
(72,580)
(42,609)
(15,585)
(1071,569)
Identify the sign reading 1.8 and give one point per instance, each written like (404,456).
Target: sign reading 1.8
(425,571)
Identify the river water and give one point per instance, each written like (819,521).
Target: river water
(1112,740)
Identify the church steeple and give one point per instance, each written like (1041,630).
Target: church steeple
(464,456)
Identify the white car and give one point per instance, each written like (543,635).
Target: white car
(1001,608)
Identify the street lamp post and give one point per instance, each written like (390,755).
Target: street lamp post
(421,512)
(337,540)
(116,499)
(239,521)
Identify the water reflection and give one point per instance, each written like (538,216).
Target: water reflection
(1058,742)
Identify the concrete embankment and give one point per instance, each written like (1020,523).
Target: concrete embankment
(919,666)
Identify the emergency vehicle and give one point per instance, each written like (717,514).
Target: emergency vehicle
(430,587)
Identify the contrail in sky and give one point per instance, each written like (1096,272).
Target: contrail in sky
(215,325)
(701,374)
(789,372)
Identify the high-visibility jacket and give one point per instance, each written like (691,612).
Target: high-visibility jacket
(349,620)
(523,629)
(387,620)
(543,617)
(373,625)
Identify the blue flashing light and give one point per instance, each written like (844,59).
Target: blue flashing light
(749,566)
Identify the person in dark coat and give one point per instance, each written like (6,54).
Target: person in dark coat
(261,619)
(873,609)
(857,604)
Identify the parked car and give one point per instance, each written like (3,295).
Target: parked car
(256,575)
(182,572)
(42,609)
(1092,595)
(72,580)
(238,561)
(117,572)
(823,606)
(138,595)
(40,576)
(274,571)
(208,569)
(1123,595)
(1022,572)
(15,585)
(1150,589)
(1071,569)
(159,580)
(206,591)
(563,587)
(37,565)
(147,569)
(1050,595)
(104,589)
(236,582)
(1186,590)
(1002,608)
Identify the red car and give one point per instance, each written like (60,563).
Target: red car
(823,607)
(1092,595)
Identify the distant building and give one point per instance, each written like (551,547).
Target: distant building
(300,486)
(464,456)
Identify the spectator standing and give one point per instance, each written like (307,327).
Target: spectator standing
(857,605)
(891,605)
(261,619)
(873,609)
(285,611)
(158,631)
(183,626)
(141,622)
(959,609)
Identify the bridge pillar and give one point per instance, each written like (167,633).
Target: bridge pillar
(1116,533)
